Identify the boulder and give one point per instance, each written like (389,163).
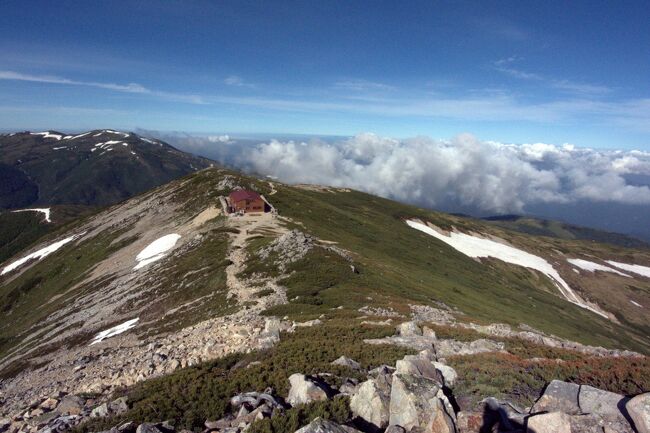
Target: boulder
(414,404)
(100,411)
(349,387)
(4,424)
(382,369)
(552,422)
(70,405)
(320,425)
(559,396)
(149,428)
(446,348)
(409,329)
(395,429)
(371,403)
(347,362)
(417,365)
(118,406)
(639,410)
(607,405)
(49,404)
(304,390)
(448,374)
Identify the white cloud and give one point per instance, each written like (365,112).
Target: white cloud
(463,172)
(359,85)
(237,81)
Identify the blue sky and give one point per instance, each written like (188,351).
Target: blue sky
(513,71)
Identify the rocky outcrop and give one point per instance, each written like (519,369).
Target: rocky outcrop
(320,425)
(415,405)
(552,422)
(583,404)
(639,410)
(410,335)
(305,390)
(347,362)
(371,403)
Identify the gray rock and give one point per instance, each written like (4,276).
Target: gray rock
(409,329)
(127,427)
(149,428)
(587,424)
(347,362)
(320,425)
(49,404)
(414,404)
(100,411)
(607,405)
(639,410)
(118,406)
(304,390)
(416,365)
(552,422)
(448,374)
(4,424)
(382,369)
(372,401)
(559,396)
(71,405)
(395,429)
(349,387)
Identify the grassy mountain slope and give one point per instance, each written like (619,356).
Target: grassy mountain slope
(543,227)
(209,294)
(98,168)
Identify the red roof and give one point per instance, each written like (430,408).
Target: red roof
(243,194)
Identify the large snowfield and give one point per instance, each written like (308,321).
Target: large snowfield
(637,269)
(115,330)
(477,247)
(39,255)
(592,267)
(156,250)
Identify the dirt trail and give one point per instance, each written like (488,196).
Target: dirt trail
(249,225)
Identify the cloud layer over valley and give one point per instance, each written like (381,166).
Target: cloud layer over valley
(462,174)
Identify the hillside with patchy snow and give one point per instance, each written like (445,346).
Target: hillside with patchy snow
(167,280)
(96,168)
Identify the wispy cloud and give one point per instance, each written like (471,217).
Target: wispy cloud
(126,88)
(359,85)
(237,81)
(506,66)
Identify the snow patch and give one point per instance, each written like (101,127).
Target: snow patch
(477,247)
(59,148)
(592,267)
(123,134)
(45,211)
(115,330)
(637,269)
(76,136)
(156,250)
(39,255)
(47,134)
(636,303)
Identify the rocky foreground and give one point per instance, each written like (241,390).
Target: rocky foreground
(415,395)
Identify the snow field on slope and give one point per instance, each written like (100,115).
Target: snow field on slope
(592,267)
(637,269)
(115,330)
(39,255)
(156,250)
(477,247)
